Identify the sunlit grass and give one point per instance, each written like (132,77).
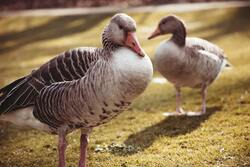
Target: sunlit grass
(219,138)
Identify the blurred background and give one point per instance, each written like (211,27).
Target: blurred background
(34,31)
(41,4)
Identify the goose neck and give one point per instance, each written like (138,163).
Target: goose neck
(108,45)
(179,35)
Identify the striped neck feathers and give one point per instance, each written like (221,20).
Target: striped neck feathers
(108,45)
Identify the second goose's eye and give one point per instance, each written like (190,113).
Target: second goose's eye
(164,22)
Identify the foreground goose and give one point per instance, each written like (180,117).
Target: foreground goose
(81,88)
(190,62)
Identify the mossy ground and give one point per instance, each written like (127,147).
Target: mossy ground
(219,138)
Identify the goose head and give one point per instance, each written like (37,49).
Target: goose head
(169,25)
(121,31)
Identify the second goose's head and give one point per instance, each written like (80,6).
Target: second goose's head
(170,25)
(121,31)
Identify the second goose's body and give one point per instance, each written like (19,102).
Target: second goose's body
(187,62)
(189,66)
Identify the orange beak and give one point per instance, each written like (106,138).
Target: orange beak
(133,43)
(156,33)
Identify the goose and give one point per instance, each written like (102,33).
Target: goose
(187,61)
(81,88)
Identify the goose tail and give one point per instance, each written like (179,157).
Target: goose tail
(15,94)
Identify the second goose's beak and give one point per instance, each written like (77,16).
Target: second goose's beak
(133,43)
(156,33)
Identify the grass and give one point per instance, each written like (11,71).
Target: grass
(141,136)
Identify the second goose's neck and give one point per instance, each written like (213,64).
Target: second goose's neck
(179,35)
(108,45)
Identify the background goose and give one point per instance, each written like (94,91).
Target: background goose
(191,62)
(81,88)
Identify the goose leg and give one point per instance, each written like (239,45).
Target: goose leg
(204,95)
(179,110)
(83,149)
(62,145)
(203,107)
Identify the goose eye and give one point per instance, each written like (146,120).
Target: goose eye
(120,26)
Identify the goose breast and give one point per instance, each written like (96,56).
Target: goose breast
(170,63)
(133,71)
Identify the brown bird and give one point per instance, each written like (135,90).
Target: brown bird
(81,88)
(187,62)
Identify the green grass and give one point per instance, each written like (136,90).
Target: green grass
(141,136)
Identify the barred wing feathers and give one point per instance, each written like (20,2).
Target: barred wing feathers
(67,66)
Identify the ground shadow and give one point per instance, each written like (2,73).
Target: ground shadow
(55,28)
(9,131)
(171,126)
(180,125)
(236,22)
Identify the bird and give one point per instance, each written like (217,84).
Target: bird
(81,88)
(187,61)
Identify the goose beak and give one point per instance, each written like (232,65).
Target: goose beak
(133,43)
(156,33)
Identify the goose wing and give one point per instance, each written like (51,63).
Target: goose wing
(198,44)
(67,66)
(65,103)
(205,58)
